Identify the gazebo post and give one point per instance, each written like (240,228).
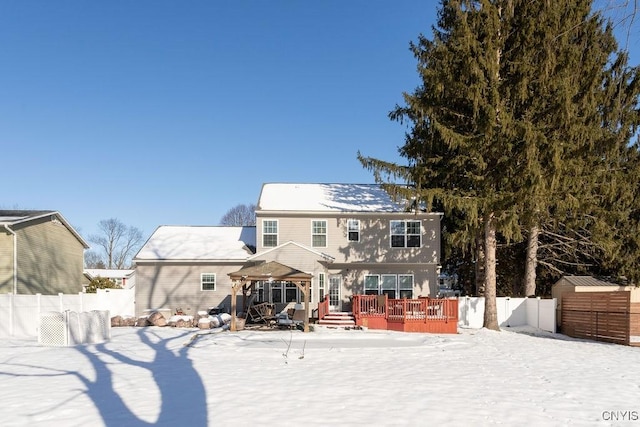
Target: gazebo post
(234,291)
(306,306)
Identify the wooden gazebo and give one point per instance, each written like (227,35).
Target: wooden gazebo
(269,271)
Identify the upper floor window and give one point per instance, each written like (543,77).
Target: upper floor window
(208,281)
(269,233)
(405,234)
(319,233)
(353,230)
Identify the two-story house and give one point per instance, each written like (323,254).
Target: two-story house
(351,238)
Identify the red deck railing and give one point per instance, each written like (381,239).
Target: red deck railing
(323,307)
(410,315)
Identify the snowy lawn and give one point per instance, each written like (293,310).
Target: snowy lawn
(147,376)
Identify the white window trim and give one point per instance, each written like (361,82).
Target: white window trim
(215,282)
(349,230)
(326,234)
(277,233)
(406,234)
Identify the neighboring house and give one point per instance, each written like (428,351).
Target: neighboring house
(126,279)
(39,253)
(352,239)
(183,267)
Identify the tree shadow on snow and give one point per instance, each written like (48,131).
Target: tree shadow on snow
(182,392)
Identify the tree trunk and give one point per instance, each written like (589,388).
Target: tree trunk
(490,308)
(531,262)
(479,265)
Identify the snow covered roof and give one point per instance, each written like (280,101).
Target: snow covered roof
(198,243)
(108,273)
(326,197)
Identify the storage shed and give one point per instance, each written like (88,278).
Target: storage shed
(571,284)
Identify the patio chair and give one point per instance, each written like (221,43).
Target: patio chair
(262,313)
(291,318)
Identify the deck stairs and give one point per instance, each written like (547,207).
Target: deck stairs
(338,319)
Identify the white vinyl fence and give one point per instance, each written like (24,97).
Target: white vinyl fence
(20,314)
(536,312)
(71,328)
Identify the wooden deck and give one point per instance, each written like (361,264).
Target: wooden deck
(406,315)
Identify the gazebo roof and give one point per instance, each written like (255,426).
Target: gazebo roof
(270,270)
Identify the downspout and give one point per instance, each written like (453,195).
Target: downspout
(15,258)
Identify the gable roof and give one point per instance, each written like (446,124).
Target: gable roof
(108,273)
(292,243)
(327,197)
(270,270)
(15,217)
(198,243)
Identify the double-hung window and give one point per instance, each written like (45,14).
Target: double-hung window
(353,230)
(371,284)
(319,233)
(405,283)
(405,234)
(208,281)
(269,233)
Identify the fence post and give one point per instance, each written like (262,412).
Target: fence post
(538,312)
(507,308)
(11,314)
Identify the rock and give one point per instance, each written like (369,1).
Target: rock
(157,319)
(142,321)
(204,323)
(116,321)
(128,321)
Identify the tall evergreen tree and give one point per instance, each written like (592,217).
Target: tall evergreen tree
(507,125)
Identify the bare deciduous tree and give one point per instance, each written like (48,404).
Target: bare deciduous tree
(92,259)
(117,241)
(241,215)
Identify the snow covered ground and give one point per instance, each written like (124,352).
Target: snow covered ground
(146,376)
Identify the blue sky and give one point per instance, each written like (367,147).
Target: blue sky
(171,113)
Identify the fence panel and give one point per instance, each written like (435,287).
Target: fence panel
(511,312)
(22,312)
(601,316)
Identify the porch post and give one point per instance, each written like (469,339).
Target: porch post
(306,306)
(234,291)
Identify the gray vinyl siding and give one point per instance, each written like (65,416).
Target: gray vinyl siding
(170,286)
(6,262)
(50,258)
(374,244)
